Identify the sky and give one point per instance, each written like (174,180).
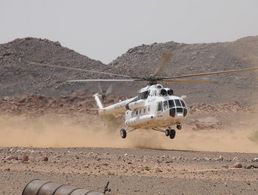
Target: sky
(105,29)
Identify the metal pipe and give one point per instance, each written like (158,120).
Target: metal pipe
(44,187)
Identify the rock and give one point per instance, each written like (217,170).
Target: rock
(158,170)
(225,166)
(206,159)
(255,160)
(220,158)
(251,166)
(237,165)
(11,158)
(45,159)
(25,158)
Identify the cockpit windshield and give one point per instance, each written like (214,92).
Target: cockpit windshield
(171,103)
(176,103)
(183,103)
(177,106)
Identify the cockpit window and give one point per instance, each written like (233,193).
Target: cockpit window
(178,103)
(171,103)
(183,104)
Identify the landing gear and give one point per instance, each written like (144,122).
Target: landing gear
(179,126)
(123,133)
(167,132)
(171,133)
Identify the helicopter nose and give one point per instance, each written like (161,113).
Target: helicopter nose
(172,112)
(178,112)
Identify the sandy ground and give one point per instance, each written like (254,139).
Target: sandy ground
(92,131)
(131,171)
(89,152)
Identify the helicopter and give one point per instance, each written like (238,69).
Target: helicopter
(155,107)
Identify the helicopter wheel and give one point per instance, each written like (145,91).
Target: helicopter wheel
(123,133)
(172,134)
(179,126)
(167,132)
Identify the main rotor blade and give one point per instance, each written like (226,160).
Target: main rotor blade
(165,59)
(78,69)
(212,73)
(188,81)
(101,80)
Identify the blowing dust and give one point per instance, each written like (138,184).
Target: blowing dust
(91,131)
(55,131)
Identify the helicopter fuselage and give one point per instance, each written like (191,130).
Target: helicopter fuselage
(156,112)
(154,107)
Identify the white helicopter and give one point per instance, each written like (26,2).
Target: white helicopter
(155,107)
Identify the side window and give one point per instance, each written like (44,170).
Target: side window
(148,108)
(144,110)
(171,103)
(165,105)
(160,106)
(136,112)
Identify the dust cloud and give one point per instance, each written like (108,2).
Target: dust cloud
(55,131)
(91,131)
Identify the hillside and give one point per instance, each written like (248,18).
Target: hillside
(194,58)
(18,78)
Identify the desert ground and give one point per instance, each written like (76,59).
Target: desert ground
(87,151)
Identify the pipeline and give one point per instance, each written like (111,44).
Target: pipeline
(44,187)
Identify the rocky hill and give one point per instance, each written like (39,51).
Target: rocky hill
(194,58)
(18,78)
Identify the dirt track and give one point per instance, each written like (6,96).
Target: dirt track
(131,171)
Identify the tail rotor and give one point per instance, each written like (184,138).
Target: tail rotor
(104,93)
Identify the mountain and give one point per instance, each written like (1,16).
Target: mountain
(195,58)
(19,78)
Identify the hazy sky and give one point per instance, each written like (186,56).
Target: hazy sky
(104,29)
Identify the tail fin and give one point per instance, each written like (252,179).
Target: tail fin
(98,101)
